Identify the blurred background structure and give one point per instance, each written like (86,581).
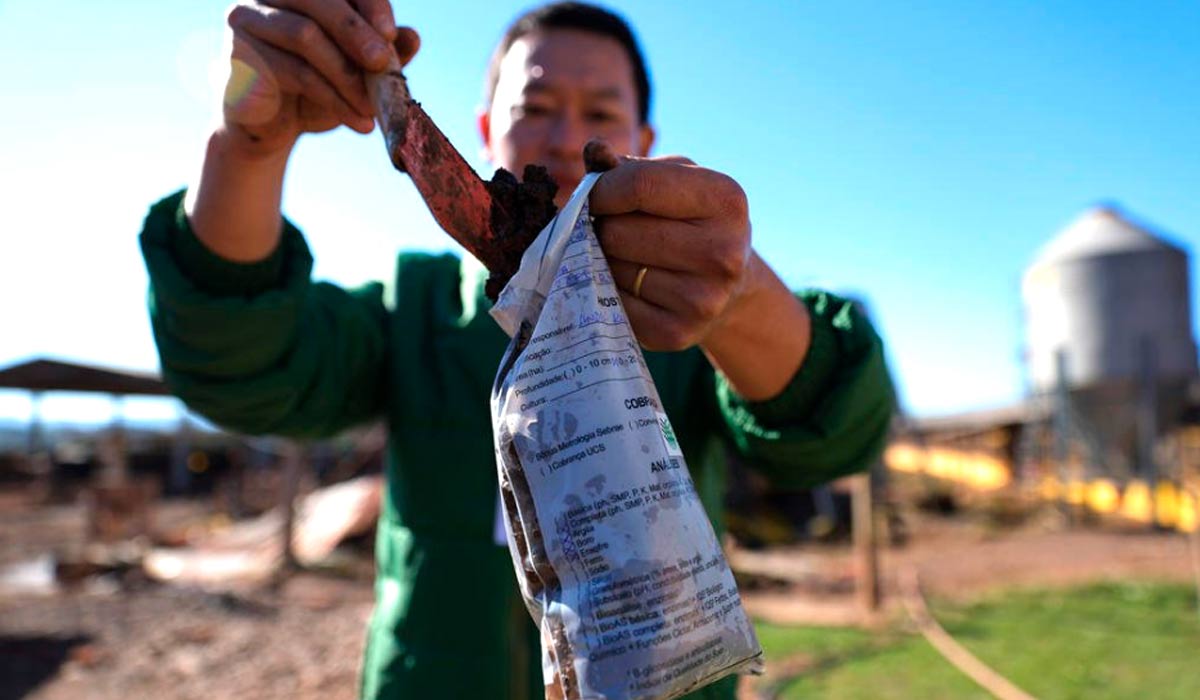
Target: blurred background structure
(1111,420)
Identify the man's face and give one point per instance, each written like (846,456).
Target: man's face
(558,89)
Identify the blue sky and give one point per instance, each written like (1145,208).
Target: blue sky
(916,154)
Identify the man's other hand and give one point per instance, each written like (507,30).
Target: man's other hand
(298,66)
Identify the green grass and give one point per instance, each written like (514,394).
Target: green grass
(1127,640)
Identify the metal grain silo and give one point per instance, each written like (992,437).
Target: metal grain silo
(1113,298)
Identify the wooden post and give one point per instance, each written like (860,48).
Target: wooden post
(1147,422)
(178,476)
(1193,536)
(1062,432)
(1194,548)
(293,454)
(40,462)
(114,447)
(866,555)
(35,441)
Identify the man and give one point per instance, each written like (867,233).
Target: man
(799,388)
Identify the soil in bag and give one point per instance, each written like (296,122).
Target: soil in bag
(615,556)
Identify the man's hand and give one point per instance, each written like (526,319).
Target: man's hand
(677,237)
(689,228)
(297,66)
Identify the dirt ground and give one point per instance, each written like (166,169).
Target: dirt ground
(958,559)
(163,642)
(121,637)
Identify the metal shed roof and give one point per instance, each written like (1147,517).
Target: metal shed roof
(55,375)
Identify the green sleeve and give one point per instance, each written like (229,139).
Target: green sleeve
(832,418)
(258,347)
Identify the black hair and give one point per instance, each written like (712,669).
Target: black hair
(583,17)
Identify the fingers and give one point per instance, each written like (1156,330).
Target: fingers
(673,310)
(305,48)
(677,239)
(379,14)
(694,297)
(406,43)
(341,23)
(311,51)
(668,187)
(275,75)
(315,118)
(672,244)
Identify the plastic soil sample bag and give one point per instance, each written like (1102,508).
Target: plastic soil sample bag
(616,559)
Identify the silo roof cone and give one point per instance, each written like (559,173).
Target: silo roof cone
(1101,231)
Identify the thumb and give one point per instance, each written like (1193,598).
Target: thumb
(599,156)
(407,43)
(252,96)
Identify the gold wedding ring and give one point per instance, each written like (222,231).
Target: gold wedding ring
(637,282)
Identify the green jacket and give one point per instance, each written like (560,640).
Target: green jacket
(260,348)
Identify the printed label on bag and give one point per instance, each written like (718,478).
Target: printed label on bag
(615,554)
